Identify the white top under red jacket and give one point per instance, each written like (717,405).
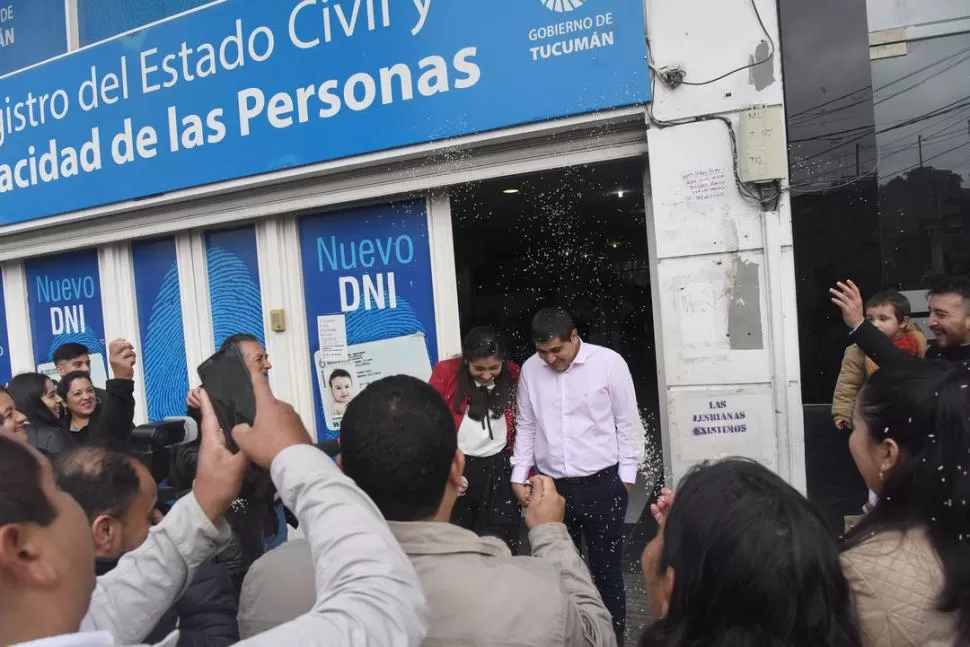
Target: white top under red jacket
(444,379)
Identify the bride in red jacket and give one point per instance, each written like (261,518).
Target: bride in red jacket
(479,387)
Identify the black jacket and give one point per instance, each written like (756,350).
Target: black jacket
(50,440)
(884,352)
(206,613)
(113,417)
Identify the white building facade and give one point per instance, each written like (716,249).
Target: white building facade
(313,172)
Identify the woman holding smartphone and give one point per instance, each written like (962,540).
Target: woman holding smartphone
(479,387)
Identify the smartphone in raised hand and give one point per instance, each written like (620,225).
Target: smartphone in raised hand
(229,386)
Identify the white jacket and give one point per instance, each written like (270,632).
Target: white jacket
(367,591)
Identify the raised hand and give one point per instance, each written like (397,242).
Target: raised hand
(848,298)
(546,505)
(219,474)
(277,425)
(121,358)
(660,509)
(522,493)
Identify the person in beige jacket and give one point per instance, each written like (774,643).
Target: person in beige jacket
(908,560)
(889,312)
(398,443)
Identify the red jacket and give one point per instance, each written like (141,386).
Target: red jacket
(444,379)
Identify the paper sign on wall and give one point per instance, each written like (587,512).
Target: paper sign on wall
(332,330)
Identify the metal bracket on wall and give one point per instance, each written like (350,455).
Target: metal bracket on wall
(888,43)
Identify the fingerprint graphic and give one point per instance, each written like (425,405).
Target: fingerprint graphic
(372,325)
(560,6)
(89,338)
(236,303)
(166,371)
(100,19)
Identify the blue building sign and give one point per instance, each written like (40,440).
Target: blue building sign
(248,86)
(31,31)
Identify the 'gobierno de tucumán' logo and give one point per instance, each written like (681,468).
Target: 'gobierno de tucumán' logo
(561,6)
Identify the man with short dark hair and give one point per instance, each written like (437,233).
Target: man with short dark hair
(119,496)
(949,319)
(398,443)
(577,410)
(72,357)
(117,493)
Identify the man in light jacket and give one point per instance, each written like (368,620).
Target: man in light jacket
(367,592)
(398,443)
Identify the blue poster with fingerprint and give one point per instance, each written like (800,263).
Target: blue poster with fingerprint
(369,301)
(64,300)
(234,291)
(162,346)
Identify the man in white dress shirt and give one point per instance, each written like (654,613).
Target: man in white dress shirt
(576,415)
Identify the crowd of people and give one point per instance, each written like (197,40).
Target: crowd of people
(407,530)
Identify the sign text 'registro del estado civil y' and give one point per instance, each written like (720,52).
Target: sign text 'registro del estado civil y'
(248,86)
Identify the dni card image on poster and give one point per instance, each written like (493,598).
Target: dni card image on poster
(370,300)
(340,381)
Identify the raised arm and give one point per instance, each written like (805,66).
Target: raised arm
(367,590)
(875,345)
(131,599)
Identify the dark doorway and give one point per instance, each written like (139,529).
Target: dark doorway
(577,238)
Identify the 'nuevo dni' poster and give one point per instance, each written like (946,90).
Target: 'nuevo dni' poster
(369,301)
(64,298)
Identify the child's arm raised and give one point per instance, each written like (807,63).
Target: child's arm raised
(850,381)
(873,343)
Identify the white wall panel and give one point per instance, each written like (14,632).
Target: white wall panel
(708,38)
(705,300)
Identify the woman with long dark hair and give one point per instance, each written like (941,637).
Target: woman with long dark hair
(908,560)
(480,387)
(93,421)
(36,397)
(743,560)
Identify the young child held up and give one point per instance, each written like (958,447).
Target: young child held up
(889,312)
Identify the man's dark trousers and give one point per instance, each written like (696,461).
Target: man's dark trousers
(595,512)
